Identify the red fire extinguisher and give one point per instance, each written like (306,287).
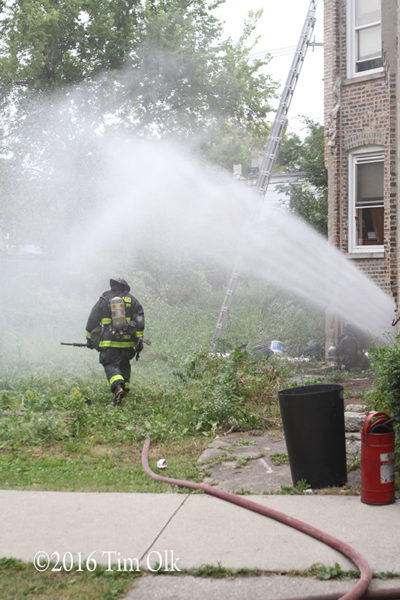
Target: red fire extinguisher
(377,459)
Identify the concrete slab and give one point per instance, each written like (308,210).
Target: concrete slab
(272,587)
(186,531)
(241,462)
(87,523)
(207,530)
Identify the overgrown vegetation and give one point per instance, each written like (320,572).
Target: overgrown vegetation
(179,322)
(55,429)
(386,395)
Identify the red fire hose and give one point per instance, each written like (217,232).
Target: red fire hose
(358,591)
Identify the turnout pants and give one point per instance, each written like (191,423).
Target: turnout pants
(116,363)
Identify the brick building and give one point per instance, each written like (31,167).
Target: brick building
(361,147)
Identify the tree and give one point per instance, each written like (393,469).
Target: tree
(159,66)
(46,47)
(309,198)
(71,69)
(50,43)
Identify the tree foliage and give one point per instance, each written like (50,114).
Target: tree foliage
(72,69)
(309,198)
(159,66)
(51,43)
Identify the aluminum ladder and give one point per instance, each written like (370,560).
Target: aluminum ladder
(273,144)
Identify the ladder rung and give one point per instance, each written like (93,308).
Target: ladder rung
(273,144)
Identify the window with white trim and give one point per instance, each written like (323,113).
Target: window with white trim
(364,37)
(366,202)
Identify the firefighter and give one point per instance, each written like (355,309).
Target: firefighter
(115,328)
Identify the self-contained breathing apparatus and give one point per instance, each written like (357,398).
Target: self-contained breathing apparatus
(113,323)
(118,317)
(120,325)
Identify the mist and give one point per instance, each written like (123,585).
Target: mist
(95,198)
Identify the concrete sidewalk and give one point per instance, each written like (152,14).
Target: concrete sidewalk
(268,587)
(184,531)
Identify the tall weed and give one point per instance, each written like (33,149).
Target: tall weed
(209,394)
(385,362)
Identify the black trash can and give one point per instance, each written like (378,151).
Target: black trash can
(313,421)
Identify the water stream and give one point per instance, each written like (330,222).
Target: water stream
(99,196)
(185,207)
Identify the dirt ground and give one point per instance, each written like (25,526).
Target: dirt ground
(356,387)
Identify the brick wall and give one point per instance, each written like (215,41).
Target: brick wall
(360,112)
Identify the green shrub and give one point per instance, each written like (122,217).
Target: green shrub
(386,366)
(233,391)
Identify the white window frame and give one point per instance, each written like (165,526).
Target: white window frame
(352,40)
(368,154)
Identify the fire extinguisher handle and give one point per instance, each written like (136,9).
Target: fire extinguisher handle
(371,417)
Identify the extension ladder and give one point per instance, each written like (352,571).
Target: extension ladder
(273,144)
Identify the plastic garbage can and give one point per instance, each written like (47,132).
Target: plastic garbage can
(313,422)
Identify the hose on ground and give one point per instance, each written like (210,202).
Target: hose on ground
(358,591)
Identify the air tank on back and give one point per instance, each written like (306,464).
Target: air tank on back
(118,317)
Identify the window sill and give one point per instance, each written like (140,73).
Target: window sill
(362,78)
(357,254)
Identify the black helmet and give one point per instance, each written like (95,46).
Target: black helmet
(119,284)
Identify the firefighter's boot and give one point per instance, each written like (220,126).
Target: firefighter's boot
(119,393)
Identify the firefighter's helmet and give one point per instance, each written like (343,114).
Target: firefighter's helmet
(119,284)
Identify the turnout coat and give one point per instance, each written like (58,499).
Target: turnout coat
(99,331)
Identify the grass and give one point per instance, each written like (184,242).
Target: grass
(243,460)
(279,458)
(20,580)
(335,572)
(98,468)
(61,432)
(228,456)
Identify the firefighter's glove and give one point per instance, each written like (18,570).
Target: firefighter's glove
(90,344)
(132,327)
(139,346)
